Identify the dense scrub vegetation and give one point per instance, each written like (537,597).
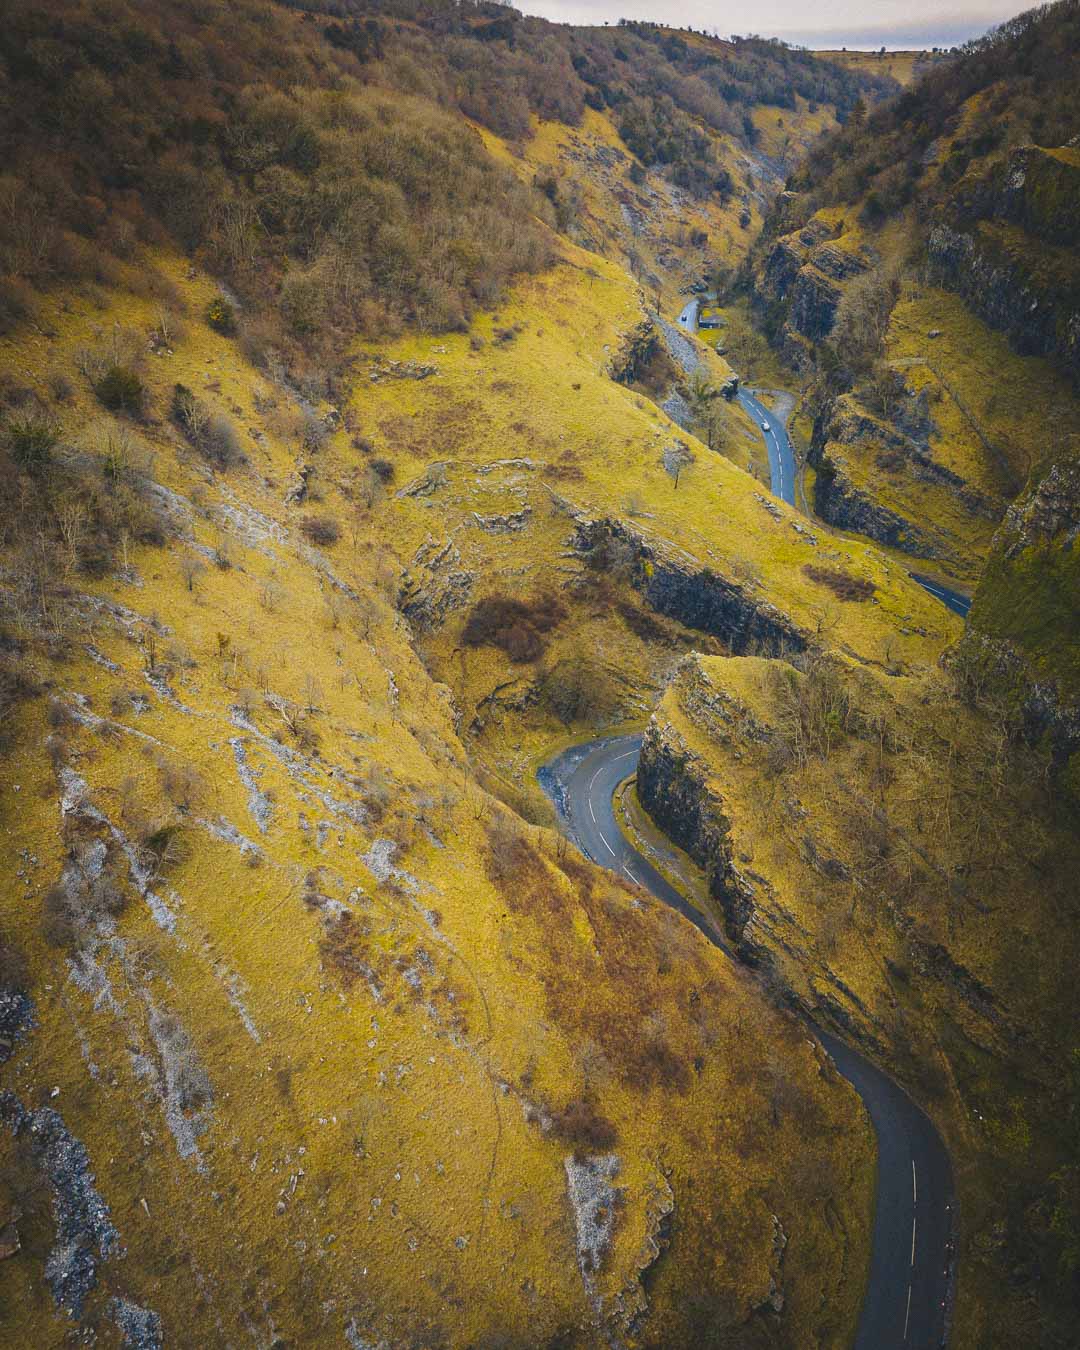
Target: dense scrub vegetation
(313,158)
(666,91)
(518,627)
(332,199)
(1027,73)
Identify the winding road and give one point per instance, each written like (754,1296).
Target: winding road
(782,467)
(777,444)
(773,429)
(908,1288)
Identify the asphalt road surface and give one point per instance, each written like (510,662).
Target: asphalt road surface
(688,316)
(959,604)
(910,1279)
(774,432)
(778,445)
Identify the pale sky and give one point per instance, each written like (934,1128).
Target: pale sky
(826,23)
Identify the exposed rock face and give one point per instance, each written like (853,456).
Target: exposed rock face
(803,277)
(16,1018)
(1003,291)
(781,268)
(1024,635)
(692,776)
(905,445)
(813,300)
(1008,246)
(1048,514)
(84,1230)
(435,586)
(1039,191)
(677,586)
(838,501)
(672,786)
(639,347)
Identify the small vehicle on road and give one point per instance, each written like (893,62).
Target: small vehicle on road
(764,426)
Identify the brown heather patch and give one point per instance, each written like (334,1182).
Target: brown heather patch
(636,971)
(842,584)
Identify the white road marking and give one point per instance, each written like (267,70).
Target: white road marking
(914,1184)
(592,783)
(599,831)
(631,876)
(907,1315)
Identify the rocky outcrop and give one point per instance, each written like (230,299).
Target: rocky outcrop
(1022,643)
(802,278)
(1004,288)
(85,1234)
(901,446)
(782,266)
(1008,245)
(1041,190)
(672,786)
(679,587)
(840,502)
(636,353)
(1049,514)
(435,585)
(812,304)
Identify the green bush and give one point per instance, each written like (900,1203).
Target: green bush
(221,316)
(121,390)
(30,441)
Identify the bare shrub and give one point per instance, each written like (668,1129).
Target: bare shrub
(814,710)
(191,569)
(76,904)
(186,1079)
(582,1126)
(321,530)
(212,434)
(165,848)
(181,782)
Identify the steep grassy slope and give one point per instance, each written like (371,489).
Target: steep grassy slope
(309,999)
(524,468)
(306,1036)
(883,849)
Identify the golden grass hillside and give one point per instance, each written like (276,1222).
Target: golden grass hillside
(323,1042)
(891,854)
